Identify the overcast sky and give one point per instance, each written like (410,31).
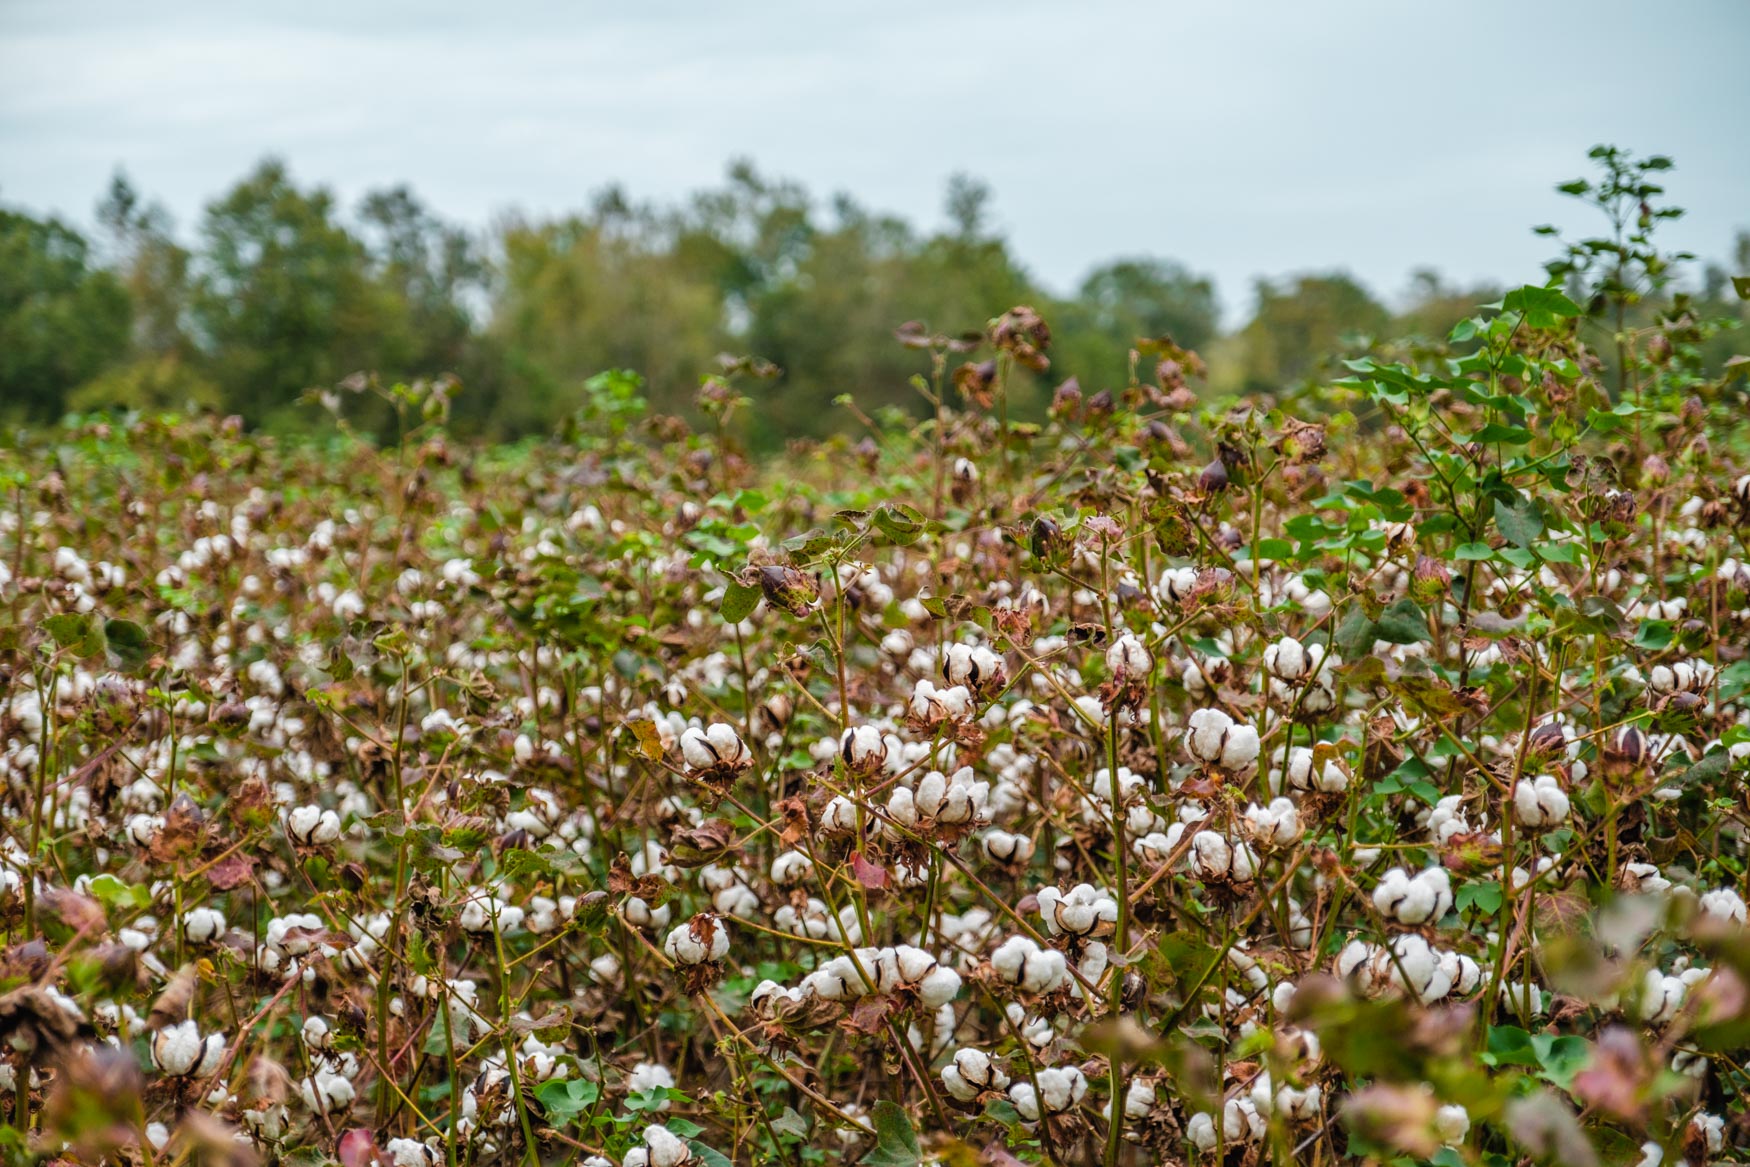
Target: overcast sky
(1245,139)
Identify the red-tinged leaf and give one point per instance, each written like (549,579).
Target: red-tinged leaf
(357,1148)
(232,871)
(871,875)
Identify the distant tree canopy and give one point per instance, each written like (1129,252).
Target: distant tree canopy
(281,289)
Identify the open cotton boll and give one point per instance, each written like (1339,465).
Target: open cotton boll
(700,939)
(1128,658)
(971,1072)
(716,745)
(1451,1124)
(1722,906)
(1540,803)
(1419,899)
(1019,961)
(1276,825)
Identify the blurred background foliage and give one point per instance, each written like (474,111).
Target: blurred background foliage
(280,289)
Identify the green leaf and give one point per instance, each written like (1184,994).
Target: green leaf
(1741,285)
(78,632)
(1509,1046)
(1402,623)
(1541,307)
(1518,519)
(739,601)
(896,1143)
(1355,635)
(1483,895)
(566,1097)
(129,643)
(1480,551)
(899,522)
(708,1155)
(1561,1057)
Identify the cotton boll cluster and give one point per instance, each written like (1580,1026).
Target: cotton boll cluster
(1409,964)
(883,970)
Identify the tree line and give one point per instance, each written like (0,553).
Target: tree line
(282,289)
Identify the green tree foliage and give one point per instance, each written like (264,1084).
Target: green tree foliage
(1299,322)
(282,290)
(283,296)
(62,319)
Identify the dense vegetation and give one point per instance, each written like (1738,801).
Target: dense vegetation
(1353,770)
(278,289)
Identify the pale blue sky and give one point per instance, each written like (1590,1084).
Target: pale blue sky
(1242,138)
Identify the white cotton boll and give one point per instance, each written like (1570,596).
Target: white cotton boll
(316,1033)
(1661,997)
(1176,585)
(178,1049)
(1128,658)
(1211,855)
(971,1072)
(839,817)
(792,867)
(1287,658)
(1021,962)
(1002,847)
(716,745)
(1239,753)
(326,1092)
(938,987)
(1723,906)
(410,1153)
(1540,803)
(1140,1097)
(1241,1122)
(311,826)
(700,939)
(1201,1131)
(1206,734)
(1713,1131)
(664,1147)
(1303,774)
(863,748)
(648,1076)
(901,809)
(1451,1124)
(203,925)
(1276,825)
(1061,1087)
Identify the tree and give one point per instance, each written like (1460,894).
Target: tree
(283,297)
(1127,300)
(62,319)
(1300,323)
